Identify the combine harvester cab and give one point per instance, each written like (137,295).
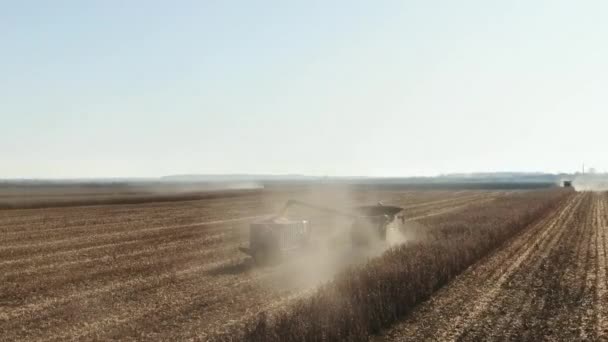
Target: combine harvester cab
(272,239)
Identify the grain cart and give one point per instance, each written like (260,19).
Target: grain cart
(272,238)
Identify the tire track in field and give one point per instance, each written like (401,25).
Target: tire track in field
(442,201)
(99,224)
(177,245)
(595,285)
(443,318)
(491,297)
(127,313)
(39,221)
(246,299)
(601,295)
(40,310)
(74,280)
(509,296)
(191,288)
(136,239)
(116,216)
(527,301)
(176,313)
(194,254)
(121,236)
(35,309)
(550,300)
(562,297)
(450,209)
(96,223)
(78,244)
(87,231)
(78,294)
(588,274)
(79,251)
(444,207)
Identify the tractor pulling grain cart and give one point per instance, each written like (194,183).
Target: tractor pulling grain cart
(271,239)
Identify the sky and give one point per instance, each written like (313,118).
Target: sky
(339,88)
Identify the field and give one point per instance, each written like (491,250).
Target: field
(547,284)
(369,298)
(158,270)
(169,269)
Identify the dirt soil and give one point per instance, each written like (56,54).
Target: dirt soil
(549,283)
(161,271)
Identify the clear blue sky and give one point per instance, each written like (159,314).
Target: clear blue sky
(380,88)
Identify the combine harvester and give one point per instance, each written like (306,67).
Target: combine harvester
(272,239)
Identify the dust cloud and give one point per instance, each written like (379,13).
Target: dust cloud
(591,182)
(332,250)
(187,187)
(335,254)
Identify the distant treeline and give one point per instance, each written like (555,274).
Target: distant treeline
(420,186)
(463,186)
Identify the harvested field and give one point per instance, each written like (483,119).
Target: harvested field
(160,270)
(364,300)
(547,284)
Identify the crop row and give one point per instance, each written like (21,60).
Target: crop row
(364,300)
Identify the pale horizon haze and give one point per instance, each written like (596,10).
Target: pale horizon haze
(338,88)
